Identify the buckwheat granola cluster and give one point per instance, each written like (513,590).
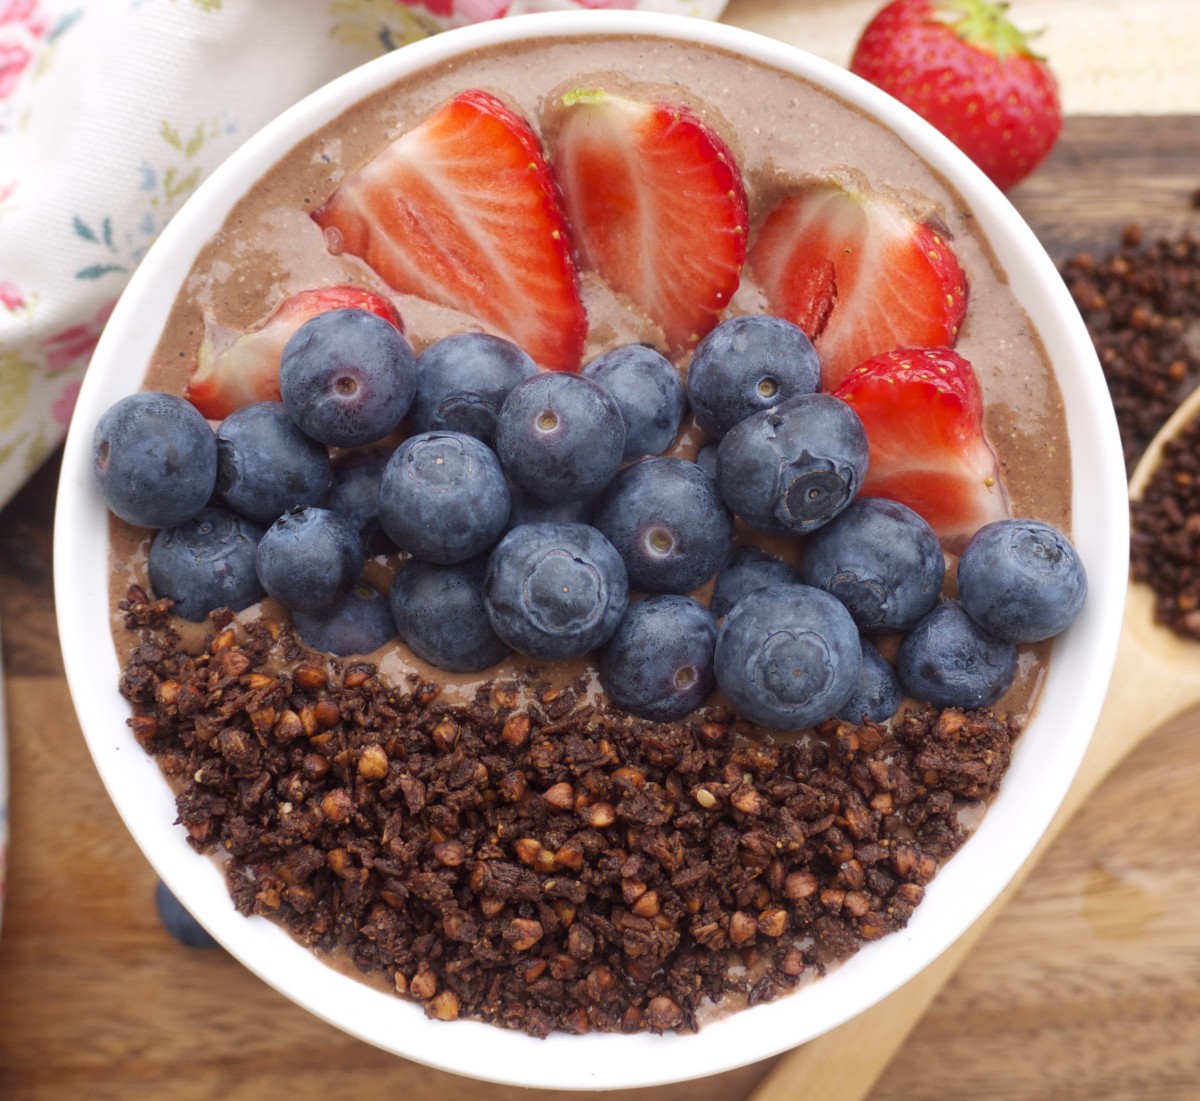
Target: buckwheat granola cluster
(555,866)
(1141,304)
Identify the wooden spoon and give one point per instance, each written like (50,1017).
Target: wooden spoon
(1155,679)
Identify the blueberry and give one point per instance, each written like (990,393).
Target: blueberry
(443,497)
(309,558)
(793,468)
(706,460)
(659,664)
(788,656)
(877,695)
(179,922)
(747,365)
(440,615)
(948,660)
(354,491)
(1021,580)
(560,436)
(746,570)
(266,465)
(668,523)
(555,591)
(649,391)
(206,563)
(347,377)
(527,509)
(155,459)
(462,381)
(881,560)
(358,623)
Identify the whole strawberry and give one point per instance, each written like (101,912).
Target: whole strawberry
(966,69)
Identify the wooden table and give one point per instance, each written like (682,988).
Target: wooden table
(1087,986)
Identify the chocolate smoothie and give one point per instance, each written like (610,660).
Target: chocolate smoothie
(863,862)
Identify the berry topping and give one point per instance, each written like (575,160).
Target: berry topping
(649,391)
(656,205)
(881,560)
(266,465)
(235,369)
(859,274)
(877,695)
(462,210)
(462,380)
(155,459)
(309,558)
(440,615)
(747,569)
(966,69)
(347,377)
(358,623)
(1021,580)
(206,563)
(528,509)
(555,591)
(788,656)
(354,491)
(748,364)
(443,497)
(795,467)
(668,523)
(948,660)
(560,437)
(659,664)
(923,412)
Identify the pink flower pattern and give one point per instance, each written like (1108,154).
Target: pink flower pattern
(21,25)
(64,405)
(76,341)
(11,297)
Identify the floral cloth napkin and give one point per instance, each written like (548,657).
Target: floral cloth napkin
(111,114)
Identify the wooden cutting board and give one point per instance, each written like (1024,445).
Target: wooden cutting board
(1087,986)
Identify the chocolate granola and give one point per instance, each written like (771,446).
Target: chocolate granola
(1165,536)
(556,866)
(1141,305)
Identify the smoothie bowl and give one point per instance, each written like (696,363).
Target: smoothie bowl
(478,845)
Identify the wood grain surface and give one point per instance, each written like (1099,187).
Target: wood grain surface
(1087,986)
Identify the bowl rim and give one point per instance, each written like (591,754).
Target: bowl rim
(962,890)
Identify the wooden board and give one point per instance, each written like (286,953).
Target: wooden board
(1088,986)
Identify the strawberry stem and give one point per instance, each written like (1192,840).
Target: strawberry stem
(985,25)
(584,95)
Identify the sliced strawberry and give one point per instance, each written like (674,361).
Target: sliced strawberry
(462,210)
(858,274)
(235,369)
(923,412)
(657,207)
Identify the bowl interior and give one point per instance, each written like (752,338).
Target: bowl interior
(1046,755)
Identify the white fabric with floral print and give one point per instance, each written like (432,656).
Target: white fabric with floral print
(111,114)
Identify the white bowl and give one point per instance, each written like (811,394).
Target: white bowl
(1045,759)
